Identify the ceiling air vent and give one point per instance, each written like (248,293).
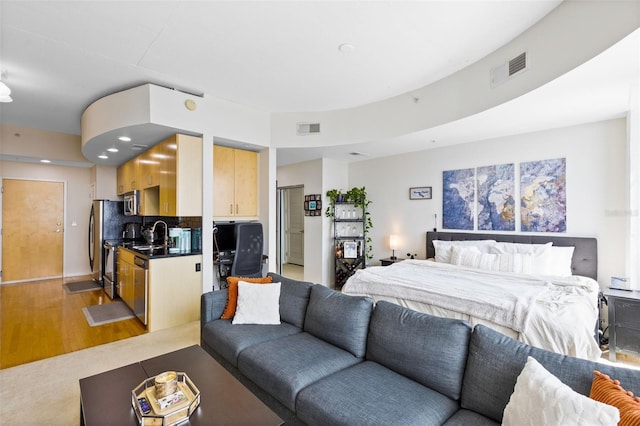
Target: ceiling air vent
(138,147)
(308,129)
(504,72)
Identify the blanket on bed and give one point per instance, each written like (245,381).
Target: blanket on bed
(502,298)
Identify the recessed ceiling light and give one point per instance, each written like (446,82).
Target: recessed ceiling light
(45,161)
(103,156)
(125,138)
(112,149)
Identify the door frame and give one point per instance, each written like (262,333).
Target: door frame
(64,218)
(280,234)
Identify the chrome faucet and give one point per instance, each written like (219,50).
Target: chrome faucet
(166,231)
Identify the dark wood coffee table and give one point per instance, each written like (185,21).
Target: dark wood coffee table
(105,399)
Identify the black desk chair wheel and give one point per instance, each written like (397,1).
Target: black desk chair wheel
(249,245)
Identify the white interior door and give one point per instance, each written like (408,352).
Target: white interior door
(294,225)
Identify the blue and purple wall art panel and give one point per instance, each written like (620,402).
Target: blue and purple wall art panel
(458,199)
(496,197)
(543,196)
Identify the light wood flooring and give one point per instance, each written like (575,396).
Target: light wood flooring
(38,320)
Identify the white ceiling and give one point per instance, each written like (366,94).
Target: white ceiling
(278,56)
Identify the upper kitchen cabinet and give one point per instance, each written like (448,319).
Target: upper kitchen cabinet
(150,166)
(235,183)
(103,183)
(181,181)
(127,176)
(173,178)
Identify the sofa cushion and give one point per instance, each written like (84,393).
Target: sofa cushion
(464,417)
(294,297)
(495,362)
(339,319)
(369,393)
(229,340)
(425,348)
(285,366)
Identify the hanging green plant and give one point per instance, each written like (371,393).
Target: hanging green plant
(333,195)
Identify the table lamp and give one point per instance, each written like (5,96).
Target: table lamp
(393,245)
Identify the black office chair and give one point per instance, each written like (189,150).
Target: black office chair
(248,258)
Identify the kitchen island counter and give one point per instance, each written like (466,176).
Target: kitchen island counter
(160,253)
(171,286)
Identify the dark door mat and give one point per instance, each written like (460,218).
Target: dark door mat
(81,286)
(107,313)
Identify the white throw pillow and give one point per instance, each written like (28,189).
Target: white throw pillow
(536,249)
(257,304)
(540,398)
(519,263)
(443,248)
(471,257)
(464,256)
(541,253)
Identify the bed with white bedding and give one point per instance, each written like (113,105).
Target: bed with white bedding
(520,288)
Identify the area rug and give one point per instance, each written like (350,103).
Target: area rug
(107,313)
(81,286)
(52,384)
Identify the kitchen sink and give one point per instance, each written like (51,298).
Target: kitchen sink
(149,247)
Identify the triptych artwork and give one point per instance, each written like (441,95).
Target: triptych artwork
(484,198)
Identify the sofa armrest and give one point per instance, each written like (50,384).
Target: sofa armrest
(212,305)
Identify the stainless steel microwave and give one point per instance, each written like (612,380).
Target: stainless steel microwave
(131,200)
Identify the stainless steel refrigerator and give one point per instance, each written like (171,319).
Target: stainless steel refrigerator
(106,222)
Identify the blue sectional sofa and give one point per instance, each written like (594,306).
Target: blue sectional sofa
(338,360)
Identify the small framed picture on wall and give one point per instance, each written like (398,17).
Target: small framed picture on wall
(420,193)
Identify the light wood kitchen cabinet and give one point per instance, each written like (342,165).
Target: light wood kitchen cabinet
(175,287)
(127,176)
(126,278)
(235,186)
(150,167)
(172,176)
(181,180)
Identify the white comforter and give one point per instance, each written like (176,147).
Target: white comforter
(554,313)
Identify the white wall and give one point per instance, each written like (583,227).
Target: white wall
(77,207)
(596,199)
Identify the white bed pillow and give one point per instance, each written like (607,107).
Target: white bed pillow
(540,398)
(560,261)
(471,257)
(541,255)
(520,263)
(464,256)
(536,249)
(443,248)
(257,304)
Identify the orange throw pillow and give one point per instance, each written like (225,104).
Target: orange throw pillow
(605,389)
(232,293)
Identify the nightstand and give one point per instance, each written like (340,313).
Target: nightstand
(624,322)
(388,261)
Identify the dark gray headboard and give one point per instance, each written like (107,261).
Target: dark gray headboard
(585,255)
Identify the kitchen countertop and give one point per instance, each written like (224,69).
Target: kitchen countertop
(161,253)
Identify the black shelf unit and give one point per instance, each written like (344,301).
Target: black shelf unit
(349,236)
